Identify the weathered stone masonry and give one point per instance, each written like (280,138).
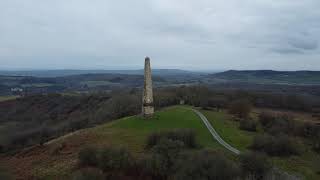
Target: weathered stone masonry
(147,97)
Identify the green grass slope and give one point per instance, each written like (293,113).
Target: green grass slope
(229,131)
(58,158)
(133,131)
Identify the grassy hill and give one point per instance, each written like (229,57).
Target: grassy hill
(270,77)
(58,158)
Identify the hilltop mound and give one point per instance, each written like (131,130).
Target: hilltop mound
(56,159)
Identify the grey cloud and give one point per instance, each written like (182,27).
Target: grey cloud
(304,44)
(204,34)
(287,51)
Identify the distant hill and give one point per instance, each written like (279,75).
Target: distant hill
(83,82)
(59,73)
(92,81)
(56,81)
(269,77)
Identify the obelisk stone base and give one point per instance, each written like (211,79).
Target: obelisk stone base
(147,111)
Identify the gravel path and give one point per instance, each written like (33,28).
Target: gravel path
(215,134)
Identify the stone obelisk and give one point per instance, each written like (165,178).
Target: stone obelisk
(147,97)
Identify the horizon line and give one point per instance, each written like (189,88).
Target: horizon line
(138,69)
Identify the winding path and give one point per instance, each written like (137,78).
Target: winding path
(215,134)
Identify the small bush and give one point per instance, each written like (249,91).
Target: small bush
(280,145)
(241,108)
(277,174)
(279,124)
(88,157)
(218,102)
(206,165)
(248,125)
(309,130)
(1,148)
(316,143)
(183,135)
(113,159)
(266,118)
(254,165)
(89,174)
(161,164)
(4,174)
(285,124)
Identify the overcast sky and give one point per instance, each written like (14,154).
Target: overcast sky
(187,34)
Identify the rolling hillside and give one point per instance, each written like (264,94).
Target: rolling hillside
(40,82)
(269,77)
(57,159)
(60,73)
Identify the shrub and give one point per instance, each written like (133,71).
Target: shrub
(282,124)
(241,108)
(162,162)
(248,124)
(277,174)
(284,145)
(254,165)
(279,124)
(280,145)
(89,174)
(266,118)
(206,165)
(218,102)
(113,159)
(4,174)
(316,142)
(309,130)
(88,157)
(186,136)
